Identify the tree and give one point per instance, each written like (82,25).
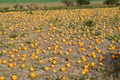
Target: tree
(81,2)
(111,2)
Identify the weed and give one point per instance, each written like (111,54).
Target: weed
(13,35)
(89,23)
(28,42)
(1,54)
(30,12)
(23,34)
(93,78)
(97,33)
(1,43)
(115,37)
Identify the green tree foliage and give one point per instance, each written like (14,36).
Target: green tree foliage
(111,2)
(81,2)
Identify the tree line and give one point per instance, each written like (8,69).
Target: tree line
(85,2)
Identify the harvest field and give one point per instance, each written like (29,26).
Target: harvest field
(77,44)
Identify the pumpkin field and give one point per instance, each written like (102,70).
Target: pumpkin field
(67,44)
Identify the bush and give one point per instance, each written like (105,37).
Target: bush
(111,2)
(89,23)
(68,3)
(80,2)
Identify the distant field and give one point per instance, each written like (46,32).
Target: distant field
(33,1)
(21,1)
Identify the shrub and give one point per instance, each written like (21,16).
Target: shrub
(89,23)
(68,3)
(80,2)
(111,2)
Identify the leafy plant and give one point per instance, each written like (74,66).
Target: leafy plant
(13,35)
(1,54)
(28,42)
(93,78)
(111,2)
(42,67)
(89,23)
(1,42)
(114,37)
(30,12)
(23,34)
(71,25)
(115,20)
(81,2)
(97,33)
